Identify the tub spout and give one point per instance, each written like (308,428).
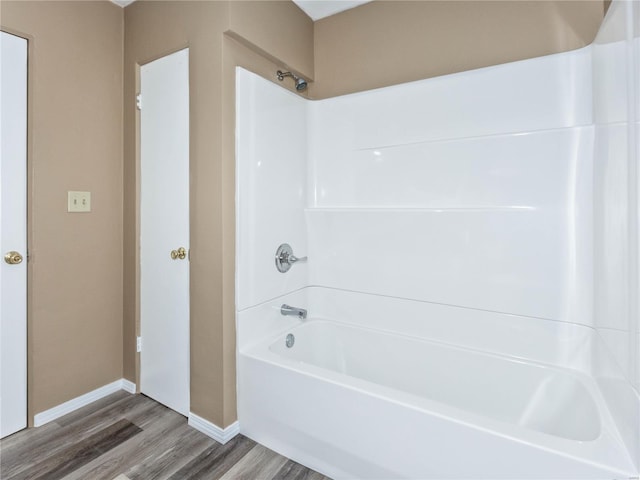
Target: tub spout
(301,313)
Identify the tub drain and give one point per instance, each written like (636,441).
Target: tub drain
(290,340)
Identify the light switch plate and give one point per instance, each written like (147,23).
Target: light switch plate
(78,202)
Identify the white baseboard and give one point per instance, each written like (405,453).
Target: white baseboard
(81,401)
(128,386)
(218,434)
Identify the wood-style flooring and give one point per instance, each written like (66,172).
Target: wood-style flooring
(132,435)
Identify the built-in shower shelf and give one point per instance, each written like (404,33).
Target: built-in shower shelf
(514,208)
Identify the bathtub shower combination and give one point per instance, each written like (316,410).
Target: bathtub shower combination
(439,279)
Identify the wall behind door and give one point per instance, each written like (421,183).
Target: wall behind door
(75,119)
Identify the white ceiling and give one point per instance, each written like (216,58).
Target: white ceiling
(316,9)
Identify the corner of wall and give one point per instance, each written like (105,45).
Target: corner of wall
(278,30)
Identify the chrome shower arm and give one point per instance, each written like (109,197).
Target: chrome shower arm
(281,75)
(301,83)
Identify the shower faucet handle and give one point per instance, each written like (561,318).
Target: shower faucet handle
(293,259)
(285,258)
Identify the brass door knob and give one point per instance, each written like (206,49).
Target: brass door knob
(13,258)
(180,253)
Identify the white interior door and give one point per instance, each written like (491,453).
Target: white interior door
(13,237)
(164,227)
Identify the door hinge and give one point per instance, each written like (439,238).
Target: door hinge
(139,101)
(138,344)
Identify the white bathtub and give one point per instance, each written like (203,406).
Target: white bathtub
(354,402)
(535,397)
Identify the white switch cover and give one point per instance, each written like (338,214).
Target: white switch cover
(79,201)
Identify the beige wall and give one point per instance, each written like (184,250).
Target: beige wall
(83,310)
(154,29)
(282,32)
(388,42)
(75,143)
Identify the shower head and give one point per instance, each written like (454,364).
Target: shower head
(301,83)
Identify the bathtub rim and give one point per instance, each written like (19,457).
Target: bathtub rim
(274,335)
(578,336)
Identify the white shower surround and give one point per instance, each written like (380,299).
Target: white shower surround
(460,210)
